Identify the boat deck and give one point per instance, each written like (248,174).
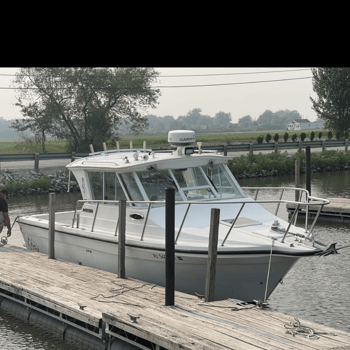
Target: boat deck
(100,299)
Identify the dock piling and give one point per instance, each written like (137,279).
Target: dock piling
(169,246)
(308,169)
(297,179)
(212,254)
(52,200)
(36,162)
(121,238)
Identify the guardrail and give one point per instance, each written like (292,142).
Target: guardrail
(249,147)
(40,156)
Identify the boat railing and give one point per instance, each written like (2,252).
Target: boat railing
(298,194)
(310,201)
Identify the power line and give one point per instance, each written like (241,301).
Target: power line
(172,86)
(198,75)
(240,73)
(241,83)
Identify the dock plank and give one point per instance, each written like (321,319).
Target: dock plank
(191,324)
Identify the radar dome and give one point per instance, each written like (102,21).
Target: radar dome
(181,137)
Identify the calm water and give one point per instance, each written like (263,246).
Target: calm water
(316,289)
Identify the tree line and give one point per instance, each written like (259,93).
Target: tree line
(202,123)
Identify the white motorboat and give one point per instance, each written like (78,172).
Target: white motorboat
(256,249)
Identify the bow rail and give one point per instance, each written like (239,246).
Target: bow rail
(310,201)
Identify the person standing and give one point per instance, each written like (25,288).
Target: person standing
(4,215)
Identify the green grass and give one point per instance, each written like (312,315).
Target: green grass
(152,141)
(162,140)
(21,147)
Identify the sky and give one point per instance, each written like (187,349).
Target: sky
(236,90)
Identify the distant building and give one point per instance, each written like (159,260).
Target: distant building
(305,124)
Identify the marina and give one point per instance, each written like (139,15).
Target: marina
(250,239)
(131,314)
(207,244)
(133,310)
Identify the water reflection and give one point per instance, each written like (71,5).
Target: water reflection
(17,334)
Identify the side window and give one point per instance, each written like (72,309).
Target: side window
(96,181)
(112,189)
(131,187)
(105,185)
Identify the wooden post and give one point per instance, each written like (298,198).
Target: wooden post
(225,150)
(117,144)
(91,148)
(144,144)
(346,145)
(131,145)
(121,238)
(104,146)
(72,159)
(251,147)
(212,254)
(297,179)
(52,200)
(323,145)
(36,162)
(169,246)
(276,147)
(308,169)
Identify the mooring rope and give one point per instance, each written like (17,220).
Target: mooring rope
(294,327)
(117,292)
(268,271)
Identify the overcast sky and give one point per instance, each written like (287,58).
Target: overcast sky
(251,93)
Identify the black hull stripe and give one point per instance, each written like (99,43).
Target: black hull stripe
(186,251)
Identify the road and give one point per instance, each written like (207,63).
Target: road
(29,164)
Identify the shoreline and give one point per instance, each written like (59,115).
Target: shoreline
(20,179)
(55,179)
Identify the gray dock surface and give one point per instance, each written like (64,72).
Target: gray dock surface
(101,299)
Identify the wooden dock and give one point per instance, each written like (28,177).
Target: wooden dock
(132,310)
(337,210)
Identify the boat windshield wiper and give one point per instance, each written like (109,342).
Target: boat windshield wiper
(211,181)
(168,178)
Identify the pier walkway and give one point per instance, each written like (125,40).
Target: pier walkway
(106,307)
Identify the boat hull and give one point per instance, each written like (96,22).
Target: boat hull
(240,276)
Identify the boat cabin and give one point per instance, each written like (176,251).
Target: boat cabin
(143,175)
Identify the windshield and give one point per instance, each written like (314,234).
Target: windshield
(199,183)
(194,183)
(208,182)
(155,182)
(223,183)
